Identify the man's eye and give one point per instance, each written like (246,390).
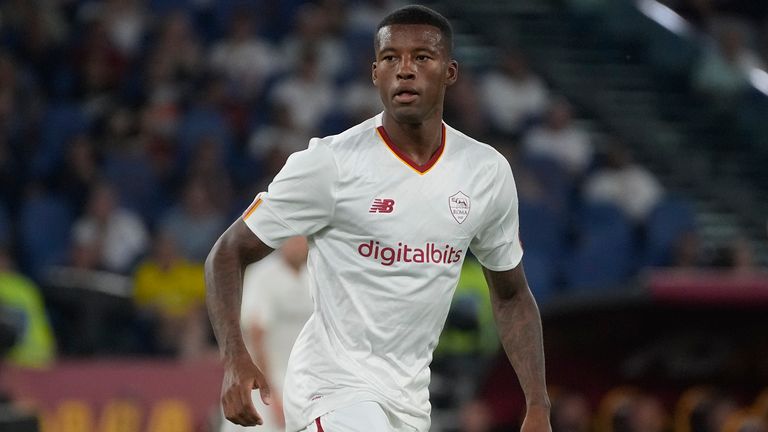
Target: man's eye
(422,57)
(388,58)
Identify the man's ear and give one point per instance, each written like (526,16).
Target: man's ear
(373,73)
(452,73)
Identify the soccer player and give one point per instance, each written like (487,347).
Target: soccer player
(390,208)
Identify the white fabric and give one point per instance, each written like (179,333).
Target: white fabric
(248,62)
(364,416)
(307,101)
(382,276)
(123,238)
(275,298)
(633,189)
(510,102)
(570,147)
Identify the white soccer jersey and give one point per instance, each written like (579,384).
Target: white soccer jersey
(387,239)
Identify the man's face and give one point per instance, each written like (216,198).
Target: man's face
(411,71)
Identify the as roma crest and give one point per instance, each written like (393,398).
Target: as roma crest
(459,205)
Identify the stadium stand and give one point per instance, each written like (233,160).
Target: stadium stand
(138,94)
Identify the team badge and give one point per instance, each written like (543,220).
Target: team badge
(459,205)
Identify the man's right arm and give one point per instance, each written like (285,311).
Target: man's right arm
(224,268)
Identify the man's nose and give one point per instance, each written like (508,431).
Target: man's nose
(406,69)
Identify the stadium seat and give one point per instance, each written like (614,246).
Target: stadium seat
(137,185)
(670,219)
(44,224)
(554,180)
(604,253)
(62,123)
(200,123)
(541,229)
(542,273)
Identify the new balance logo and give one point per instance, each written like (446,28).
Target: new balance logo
(382,205)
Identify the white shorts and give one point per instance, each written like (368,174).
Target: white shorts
(360,417)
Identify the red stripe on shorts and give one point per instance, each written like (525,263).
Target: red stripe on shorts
(319,426)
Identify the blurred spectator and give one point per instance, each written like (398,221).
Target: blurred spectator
(100,68)
(195,222)
(37,33)
(745,421)
(307,95)
(126,22)
(513,95)
(178,45)
(74,179)
(687,252)
(274,142)
(615,409)
(171,290)
(476,416)
(464,107)
(570,413)
(736,256)
(117,236)
(625,184)
(359,98)
(366,15)
(711,413)
(314,32)
(559,139)
(246,60)
(723,71)
(21,304)
(208,165)
(648,415)
(276,305)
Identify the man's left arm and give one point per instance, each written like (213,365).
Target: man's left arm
(519,325)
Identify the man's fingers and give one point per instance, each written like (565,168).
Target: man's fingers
(264,390)
(266,395)
(239,409)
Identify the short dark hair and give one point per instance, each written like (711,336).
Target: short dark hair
(418,14)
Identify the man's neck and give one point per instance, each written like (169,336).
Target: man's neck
(418,141)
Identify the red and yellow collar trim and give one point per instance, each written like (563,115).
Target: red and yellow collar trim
(421,169)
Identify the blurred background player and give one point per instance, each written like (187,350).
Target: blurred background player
(276,305)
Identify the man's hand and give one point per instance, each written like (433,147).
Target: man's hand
(241,376)
(536,420)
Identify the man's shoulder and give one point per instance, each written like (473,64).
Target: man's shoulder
(361,132)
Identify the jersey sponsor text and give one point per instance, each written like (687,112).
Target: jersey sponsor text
(429,254)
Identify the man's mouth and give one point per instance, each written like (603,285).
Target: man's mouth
(405,96)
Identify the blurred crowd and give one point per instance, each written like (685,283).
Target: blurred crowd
(133,131)
(628,409)
(738,33)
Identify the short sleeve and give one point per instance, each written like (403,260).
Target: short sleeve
(300,201)
(497,243)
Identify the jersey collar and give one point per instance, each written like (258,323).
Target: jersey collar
(421,169)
